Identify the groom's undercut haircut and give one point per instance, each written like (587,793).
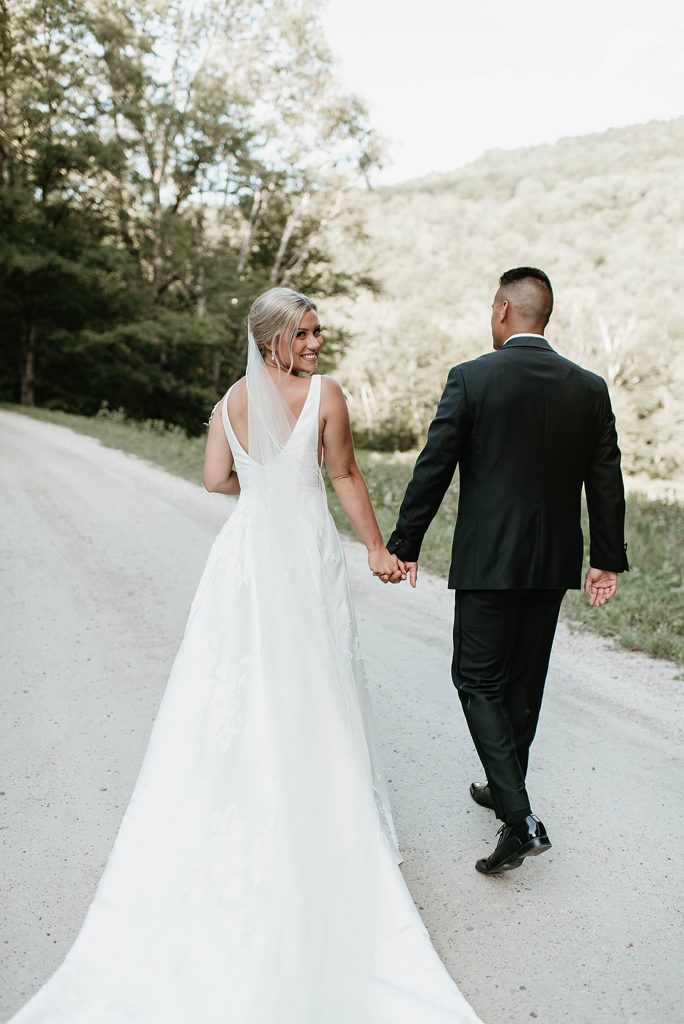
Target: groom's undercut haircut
(529,291)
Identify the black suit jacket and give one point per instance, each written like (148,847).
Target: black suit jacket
(527,429)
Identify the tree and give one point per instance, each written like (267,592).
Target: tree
(226,114)
(196,157)
(50,151)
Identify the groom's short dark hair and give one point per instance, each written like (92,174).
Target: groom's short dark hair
(521,273)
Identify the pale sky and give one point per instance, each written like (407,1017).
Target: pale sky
(446,80)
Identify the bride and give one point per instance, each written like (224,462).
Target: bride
(254,878)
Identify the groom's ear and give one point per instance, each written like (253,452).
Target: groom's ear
(503,310)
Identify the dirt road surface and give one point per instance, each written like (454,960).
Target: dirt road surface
(101,553)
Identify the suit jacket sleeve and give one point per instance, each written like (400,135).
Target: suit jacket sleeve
(434,469)
(606,498)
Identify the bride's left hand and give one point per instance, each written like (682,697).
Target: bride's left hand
(385,566)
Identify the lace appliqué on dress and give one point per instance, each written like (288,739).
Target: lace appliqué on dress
(328,545)
(223,706)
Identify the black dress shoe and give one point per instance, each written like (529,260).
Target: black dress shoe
(516,842)
(482,794)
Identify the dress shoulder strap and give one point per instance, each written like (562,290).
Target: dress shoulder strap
(227,425)
(316,397)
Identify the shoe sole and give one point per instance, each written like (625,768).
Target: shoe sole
(531,849)
(534,847)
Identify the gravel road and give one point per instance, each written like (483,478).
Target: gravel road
(101,555)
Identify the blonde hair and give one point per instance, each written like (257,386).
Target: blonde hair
(275,316)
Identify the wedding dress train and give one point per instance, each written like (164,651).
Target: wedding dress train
(254,878)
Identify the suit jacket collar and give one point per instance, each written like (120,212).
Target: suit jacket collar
(526,341)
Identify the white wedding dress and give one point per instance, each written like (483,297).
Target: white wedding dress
(254,878)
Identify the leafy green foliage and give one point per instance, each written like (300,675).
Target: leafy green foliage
(158,167)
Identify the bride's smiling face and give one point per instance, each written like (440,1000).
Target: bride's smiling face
(306,345)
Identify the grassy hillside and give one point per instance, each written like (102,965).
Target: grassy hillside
(602,214)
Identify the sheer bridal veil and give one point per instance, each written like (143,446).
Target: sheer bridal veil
(270,421)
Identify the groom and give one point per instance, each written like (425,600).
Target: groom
(527,429)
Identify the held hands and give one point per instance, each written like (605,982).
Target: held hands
(386,567)
(390,569)
(599,586)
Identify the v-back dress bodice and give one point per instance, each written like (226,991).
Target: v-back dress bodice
(297,465)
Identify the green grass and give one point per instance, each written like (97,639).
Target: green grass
(168,447)
(647,614)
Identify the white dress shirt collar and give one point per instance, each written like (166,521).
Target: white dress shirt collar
(525,334)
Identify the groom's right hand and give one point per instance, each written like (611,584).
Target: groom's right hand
(411,570)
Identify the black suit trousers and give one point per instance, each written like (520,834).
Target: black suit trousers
(502,646)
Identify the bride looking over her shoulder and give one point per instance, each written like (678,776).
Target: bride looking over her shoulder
(254,877)
(290,354)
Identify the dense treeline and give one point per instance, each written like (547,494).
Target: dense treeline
(603,214)
(160,163)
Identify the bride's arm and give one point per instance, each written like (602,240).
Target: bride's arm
(219,474)
(348,481)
